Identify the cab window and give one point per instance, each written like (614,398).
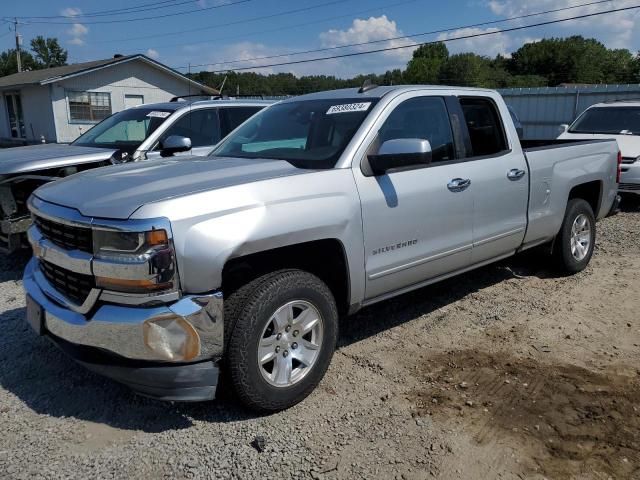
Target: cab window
(233,117)
(485,127)
(201,126)
(424,118)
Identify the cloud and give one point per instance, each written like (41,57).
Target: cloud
(70,12)
(77,32)
(616,30)
(151,53)
(488,45)
(373,29)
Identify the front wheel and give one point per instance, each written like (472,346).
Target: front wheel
(575,243)
(283,339)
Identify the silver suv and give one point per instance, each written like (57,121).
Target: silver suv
(139,133)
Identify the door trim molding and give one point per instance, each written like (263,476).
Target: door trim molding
(424,283)
(420,261)
(500,236)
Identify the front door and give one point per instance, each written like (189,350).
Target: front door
(15,116)
(417,223)
(131,101)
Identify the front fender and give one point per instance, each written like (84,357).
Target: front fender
(211,228)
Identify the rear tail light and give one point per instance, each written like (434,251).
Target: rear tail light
(619,171)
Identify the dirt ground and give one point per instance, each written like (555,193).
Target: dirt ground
(507,372)
(524,374)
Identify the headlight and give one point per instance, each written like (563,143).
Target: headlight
(134,262)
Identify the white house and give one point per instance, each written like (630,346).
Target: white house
(58,104)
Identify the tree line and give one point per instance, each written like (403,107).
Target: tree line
(549,62)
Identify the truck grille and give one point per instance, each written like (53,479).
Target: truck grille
(628,160)
(629,186)
(74,286)
(65,236)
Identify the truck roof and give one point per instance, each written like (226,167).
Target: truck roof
(203,103)
(618,103)
(378,92)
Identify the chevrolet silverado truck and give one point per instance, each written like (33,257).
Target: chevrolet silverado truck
(169,276)
(139,133)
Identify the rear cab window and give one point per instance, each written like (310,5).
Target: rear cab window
(485,127)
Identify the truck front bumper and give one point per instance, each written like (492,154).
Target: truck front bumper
(113,340)
(630,178)
(12,233)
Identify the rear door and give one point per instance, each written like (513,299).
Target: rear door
(500,179)
(417,226)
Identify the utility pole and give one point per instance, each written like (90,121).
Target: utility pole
(18,42)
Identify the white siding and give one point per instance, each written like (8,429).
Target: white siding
(133,78)
(38,113)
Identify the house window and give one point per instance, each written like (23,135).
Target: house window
(89,106)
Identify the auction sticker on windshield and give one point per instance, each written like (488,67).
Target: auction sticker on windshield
(349,107)
(158,114)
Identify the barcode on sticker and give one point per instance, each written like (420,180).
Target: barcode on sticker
(158,114)
(349,107)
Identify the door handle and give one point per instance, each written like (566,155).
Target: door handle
(515,174)
(458,184)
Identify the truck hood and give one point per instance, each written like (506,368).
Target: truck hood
(629,144)
(118,191)
(51,155)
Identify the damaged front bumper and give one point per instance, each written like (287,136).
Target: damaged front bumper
(134,345)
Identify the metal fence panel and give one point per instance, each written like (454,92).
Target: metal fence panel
(542,110)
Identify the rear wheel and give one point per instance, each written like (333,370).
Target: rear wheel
(283,339)
(575,243)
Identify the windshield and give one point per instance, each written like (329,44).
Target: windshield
(125,130)
(613,120)
(306,133)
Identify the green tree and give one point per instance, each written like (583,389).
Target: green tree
(48,52)
(467,70)
(426,63)
(9,64)
(574,60)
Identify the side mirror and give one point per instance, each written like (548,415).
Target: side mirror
(400,153)
(174,144)
(563,128)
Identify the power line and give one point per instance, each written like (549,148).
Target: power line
(237,22)
(288,27)
(116,11)
(400,47)
(154,17)
(401,37)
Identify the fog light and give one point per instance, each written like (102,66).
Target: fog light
(172,338)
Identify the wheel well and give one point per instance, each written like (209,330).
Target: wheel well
(324,258)
(591,192)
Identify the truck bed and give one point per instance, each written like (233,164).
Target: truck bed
(555,167)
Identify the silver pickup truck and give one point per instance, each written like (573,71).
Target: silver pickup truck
(162,275)
(135,134)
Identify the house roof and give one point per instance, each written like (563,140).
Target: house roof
(55,74)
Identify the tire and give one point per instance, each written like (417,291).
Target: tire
(300,359)
(570,255)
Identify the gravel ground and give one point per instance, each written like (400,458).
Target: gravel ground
(508,371)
